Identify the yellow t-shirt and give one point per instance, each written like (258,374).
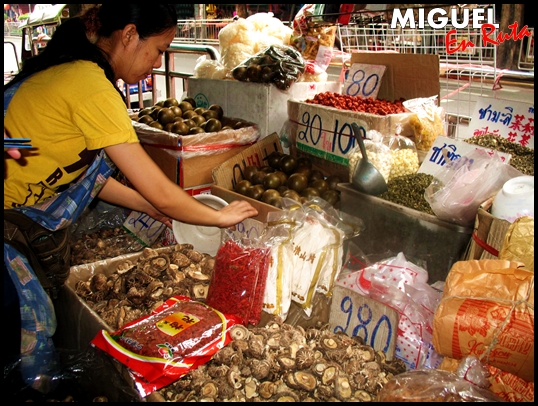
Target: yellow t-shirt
(69,112)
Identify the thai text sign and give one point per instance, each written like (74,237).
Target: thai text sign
(508,119)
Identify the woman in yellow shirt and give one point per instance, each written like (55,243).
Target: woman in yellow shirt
(66,101)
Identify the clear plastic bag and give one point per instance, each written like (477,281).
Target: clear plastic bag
(314,37)
(428,122)
(402,285)
(378,153)
(462,185)
(279,65)
(239,277)
(404,154)
(433,385)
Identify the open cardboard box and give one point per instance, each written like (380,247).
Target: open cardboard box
(324,134)
(188,160)
(227,174)
(78,324)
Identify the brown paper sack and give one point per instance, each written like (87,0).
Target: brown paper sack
(487,310)
(518,243)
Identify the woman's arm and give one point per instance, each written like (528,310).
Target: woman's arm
(165,196)
(116,193)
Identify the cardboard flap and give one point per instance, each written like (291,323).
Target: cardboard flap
(407,76)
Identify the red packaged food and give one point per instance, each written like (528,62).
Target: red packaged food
(163,346)
(239,279)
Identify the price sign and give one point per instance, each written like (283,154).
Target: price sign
(249,228)
(143,227)
(358,315)
(364,80)
(508,119)
(446,149)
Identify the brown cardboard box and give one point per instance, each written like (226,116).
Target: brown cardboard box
(488,235)
(189,159)
(77,322)
(228,173)
(407,75)
(325,134)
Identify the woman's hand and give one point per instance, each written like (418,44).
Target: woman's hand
(236,212)
(12,152)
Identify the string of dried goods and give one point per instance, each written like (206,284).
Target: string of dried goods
(135,289)
(280,362)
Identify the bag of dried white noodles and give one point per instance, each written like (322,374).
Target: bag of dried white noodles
(279,230)
(314,260)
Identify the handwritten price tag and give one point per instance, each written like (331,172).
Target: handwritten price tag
(249,228)
(143,227)
(446,149)
(357,315)
(364,80)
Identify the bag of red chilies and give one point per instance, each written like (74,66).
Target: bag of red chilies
(162,347)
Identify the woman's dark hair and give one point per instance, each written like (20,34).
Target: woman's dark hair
(70,40)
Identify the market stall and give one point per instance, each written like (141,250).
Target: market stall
(330,293)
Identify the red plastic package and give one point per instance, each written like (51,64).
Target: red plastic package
(163,346)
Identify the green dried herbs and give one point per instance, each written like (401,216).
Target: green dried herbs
(408,191)
(522,157)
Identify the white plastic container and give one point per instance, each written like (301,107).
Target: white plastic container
(203,238)
(515,199)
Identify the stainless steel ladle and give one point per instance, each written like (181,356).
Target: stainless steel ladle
(366,178)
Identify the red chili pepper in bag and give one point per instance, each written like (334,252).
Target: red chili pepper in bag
(238,281)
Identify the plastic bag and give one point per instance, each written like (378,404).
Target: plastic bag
(433,385)
(204,144)
(378,153)
(404,154)
(239,278)
(279,65)
(280,228)
(314,37)
(162,347)
(210,69)
(82,376)
(427,122)
(402,285)
(462,185)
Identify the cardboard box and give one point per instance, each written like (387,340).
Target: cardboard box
(324,133)
(189,159)
(488,234)
(227,174)
(260,103)
(407,76)
(77,322)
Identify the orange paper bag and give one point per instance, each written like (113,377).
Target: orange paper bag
(487,310)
